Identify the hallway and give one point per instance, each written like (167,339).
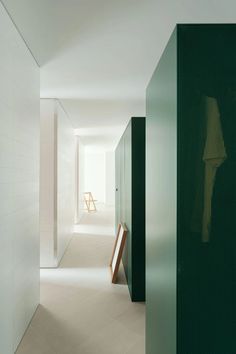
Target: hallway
(81,312)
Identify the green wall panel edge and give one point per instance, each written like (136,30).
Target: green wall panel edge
(161,193)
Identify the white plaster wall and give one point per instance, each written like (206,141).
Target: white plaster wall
(19,186)
(66,151)
(47,183)
(94,176)
(80,179)
(57,182)
(110,178)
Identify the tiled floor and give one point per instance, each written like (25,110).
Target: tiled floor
(102,222)
(81,312)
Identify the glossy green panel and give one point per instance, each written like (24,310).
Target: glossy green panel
(138,209)
(207,270)
(161,191)
(200,317)
(130,203)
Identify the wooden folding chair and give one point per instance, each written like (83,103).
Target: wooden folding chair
(89,202)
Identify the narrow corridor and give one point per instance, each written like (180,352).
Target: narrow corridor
(81,312)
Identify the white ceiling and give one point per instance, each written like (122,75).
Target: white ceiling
(101,123)
(97,56)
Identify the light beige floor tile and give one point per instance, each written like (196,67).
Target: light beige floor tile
(133,318)
(113,339)
(138,347)
(81,312)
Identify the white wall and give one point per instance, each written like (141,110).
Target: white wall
(57,182)
(19,186)
(48,190)
(95,174)
(79,179)
(66,149)
(110,178)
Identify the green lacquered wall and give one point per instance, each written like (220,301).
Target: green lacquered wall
(191,285)
(207,271)
(161,191)
(130,203)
